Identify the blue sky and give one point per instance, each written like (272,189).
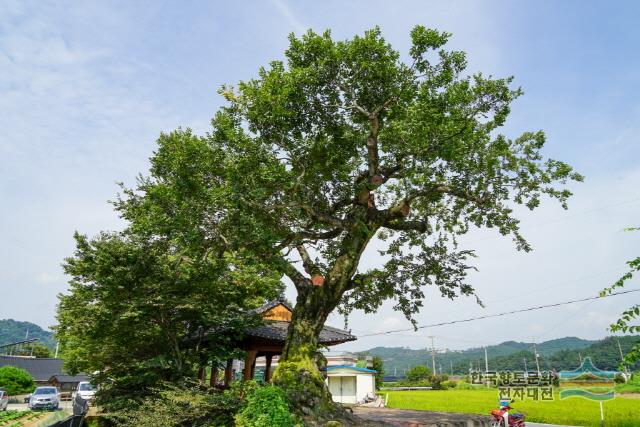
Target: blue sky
(86,87)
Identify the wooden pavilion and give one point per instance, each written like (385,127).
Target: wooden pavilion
(268,340)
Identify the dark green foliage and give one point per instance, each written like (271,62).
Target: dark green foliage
(165,296)
(378,366)
(183,406)
(418,373)
(140,309)
(266,406)
(15,381)
(438,381)
(13,331)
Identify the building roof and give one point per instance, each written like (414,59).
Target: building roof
(61,378)
(277,331)
(40,369)
(271,304)
(353,368)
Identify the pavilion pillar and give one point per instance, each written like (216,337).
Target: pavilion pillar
(228,373)
(250,364)
(267,369)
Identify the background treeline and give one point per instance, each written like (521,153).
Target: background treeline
(559,354)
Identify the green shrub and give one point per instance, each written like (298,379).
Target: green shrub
(15,380)
(183,405)
(267,406)
(450,384)
(418,373)
(438,382)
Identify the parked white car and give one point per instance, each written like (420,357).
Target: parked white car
(4,400)
(85,390)
(45,398)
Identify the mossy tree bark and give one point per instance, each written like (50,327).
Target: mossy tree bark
(298,371)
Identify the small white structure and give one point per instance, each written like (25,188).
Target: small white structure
(350,384)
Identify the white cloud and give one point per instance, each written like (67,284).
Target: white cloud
(290,16)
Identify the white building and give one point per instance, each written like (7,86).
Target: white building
(347,382)
(350,384)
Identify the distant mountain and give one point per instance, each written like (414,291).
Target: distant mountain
(13,330)
(563,353)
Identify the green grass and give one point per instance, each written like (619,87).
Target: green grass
(16,418)
(620,412)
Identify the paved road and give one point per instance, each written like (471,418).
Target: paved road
(544,425)
(406,418)
(66,405)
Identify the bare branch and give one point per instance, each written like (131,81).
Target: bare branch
(298,279)
(309,266)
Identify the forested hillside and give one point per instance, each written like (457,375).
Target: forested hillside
(13,330)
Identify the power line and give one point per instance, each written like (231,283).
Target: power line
(502,314)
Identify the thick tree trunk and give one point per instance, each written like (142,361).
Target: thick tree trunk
(298,373)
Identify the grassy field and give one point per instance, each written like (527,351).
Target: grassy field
(620,412)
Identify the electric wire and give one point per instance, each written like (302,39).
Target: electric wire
(488,316)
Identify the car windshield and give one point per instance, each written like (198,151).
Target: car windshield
(45,390)
(86,387)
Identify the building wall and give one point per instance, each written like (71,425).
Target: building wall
(364,385)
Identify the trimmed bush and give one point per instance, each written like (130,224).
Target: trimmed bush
(15,380)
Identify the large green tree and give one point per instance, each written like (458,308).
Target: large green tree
(162,298)
(341,143)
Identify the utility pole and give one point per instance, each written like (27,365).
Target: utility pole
(451,363)
(580,356)
(526,371)
(486,365)
(621,355)
(433,355)
(535,353)
(57,347)
(486,361)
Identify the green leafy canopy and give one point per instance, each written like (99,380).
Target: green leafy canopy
(340,143)
(344,141)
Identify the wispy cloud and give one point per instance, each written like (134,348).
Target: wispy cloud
(290,16)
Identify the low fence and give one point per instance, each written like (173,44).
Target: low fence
(405,388)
